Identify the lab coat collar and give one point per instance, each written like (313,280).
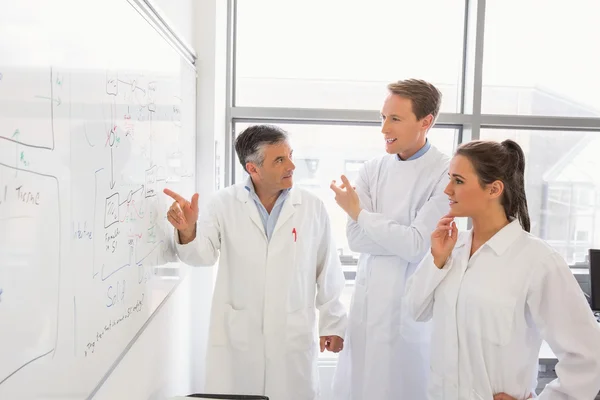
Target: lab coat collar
(243,194)
(506,236)
(500,242)
(464,238)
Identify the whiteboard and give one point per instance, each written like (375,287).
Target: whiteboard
(97,116)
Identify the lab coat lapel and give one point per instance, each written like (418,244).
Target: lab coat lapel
(288,209)
(375,188)
(459,266)
(463,250)
(251,210)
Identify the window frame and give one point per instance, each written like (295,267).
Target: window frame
(468,121)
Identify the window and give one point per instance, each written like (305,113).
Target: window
(322,153)
(319,69)
(562,184)
(351,169)
(335,54)
(538,59)
(306,172)
(582,236)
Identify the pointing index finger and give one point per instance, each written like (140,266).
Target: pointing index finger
(195,201)
(175,197)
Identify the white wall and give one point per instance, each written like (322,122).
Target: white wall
(168,357)
(210,23)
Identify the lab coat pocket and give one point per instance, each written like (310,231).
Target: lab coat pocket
(296,296)
(237,328)
(411,330)
(358,304)
(492,320)
(301,329)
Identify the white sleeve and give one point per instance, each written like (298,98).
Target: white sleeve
(330,284)
(204,249)
(408,242)
(358,241)
(420,288)
(565,320)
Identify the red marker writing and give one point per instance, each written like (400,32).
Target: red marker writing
(294,233)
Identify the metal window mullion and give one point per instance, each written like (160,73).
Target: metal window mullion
(322,115)
(473,68)
(534,122)
(304,114)
(230,88)
(370,124)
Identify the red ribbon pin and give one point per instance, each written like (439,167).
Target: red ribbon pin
(294,233)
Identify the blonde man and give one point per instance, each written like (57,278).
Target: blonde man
(397,202)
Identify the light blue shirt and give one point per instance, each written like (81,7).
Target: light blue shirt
(269,220)
(419,153)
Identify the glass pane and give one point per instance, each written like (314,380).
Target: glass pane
(539,58)
(324,152)
(340,54)
(563,187)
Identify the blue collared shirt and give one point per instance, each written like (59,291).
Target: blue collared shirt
(419,153)
(269,220)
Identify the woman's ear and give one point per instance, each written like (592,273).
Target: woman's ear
(496,189)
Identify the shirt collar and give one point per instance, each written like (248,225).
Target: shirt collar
(249,186)
(500,242)
(506,236)
(418,154)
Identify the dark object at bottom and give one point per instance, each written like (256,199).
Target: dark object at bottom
(228,396)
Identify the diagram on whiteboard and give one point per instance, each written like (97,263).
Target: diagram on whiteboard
(25,94)
(97,117)
(129,154)
(81,194)
(30,234)
(30,266)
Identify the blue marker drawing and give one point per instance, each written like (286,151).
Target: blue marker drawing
(1,295)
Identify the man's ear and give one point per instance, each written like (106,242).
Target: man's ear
(250,168)
(427,122)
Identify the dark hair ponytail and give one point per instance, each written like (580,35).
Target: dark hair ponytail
(515,200)
(505,162)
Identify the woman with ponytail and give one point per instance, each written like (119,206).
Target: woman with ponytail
(496,291)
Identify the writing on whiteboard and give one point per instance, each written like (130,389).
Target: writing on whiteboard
(112,326)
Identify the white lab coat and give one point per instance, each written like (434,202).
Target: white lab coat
(491,313)
(262,335)
(386,356)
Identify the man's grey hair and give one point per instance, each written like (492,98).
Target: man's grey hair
(250,144)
